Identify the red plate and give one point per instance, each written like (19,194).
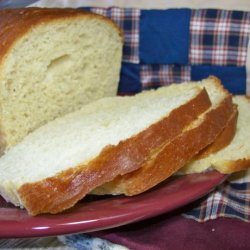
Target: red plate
(94,214)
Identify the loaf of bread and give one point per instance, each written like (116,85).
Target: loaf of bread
(62,161)
(169,158)
(52,62)
(235,156)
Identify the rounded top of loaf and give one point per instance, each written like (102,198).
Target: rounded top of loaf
(14,23)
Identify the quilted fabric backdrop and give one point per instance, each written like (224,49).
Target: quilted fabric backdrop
(177,45)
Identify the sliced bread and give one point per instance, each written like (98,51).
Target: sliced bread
(52,62)
(223,139)
(168,159)
(62,161)
(234,157)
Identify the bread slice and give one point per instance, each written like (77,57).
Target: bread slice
(223,139)
(234,157)
(62,161)
(52,62)
(175,154)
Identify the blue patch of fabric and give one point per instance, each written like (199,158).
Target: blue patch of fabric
(233,78)
(130,79)
(164,36)
(85,8)
(211,13)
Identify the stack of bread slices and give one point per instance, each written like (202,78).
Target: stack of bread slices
(114,145)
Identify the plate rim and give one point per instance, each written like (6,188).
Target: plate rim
(69,225)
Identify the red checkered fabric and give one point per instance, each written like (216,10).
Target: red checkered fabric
(128,20)
(228,200)
(219,37)
(153,76)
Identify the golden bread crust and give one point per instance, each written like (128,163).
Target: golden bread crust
(15,23)
(229,167)
(57,193)
(223,139)
(173,155)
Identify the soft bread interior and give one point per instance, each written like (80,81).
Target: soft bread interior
(54,69)
(237,150)
(79,137)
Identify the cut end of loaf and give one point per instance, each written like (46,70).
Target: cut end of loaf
(76,60)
